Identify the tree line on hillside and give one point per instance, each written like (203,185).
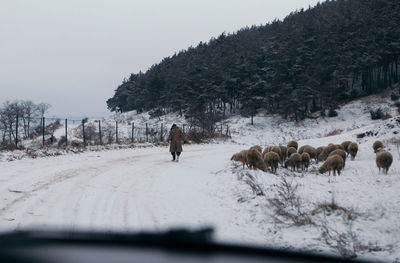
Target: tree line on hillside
(21,114)
(311,61)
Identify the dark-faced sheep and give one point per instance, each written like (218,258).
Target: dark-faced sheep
(352,150)
(290,151)
(283,153)
(384,160)
(345,146)
(305,160)
(271,159)
(255,160)
(256,147)
(377,145)
(294,162)
(293,144)
(333,163)
(341,153)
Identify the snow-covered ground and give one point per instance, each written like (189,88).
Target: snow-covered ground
(140,188)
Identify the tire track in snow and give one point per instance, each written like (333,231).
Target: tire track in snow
(93,202)
(59,178)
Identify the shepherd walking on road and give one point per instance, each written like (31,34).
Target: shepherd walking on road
(175,138)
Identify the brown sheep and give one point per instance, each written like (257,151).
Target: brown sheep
(241,157)
(384,160)
(294,162)
(255,160)
(334,163)
(345,146)
(235,157)
(256,147)
(277,150)
(377,145)
(293,144)
(339,147)
(290,151)
(283,153)
(319,151)
(379,150)
(341,153)
(267,149)
(353,149)
(271,159)
(305,160)
(311,151)
(326,151)
(301,149)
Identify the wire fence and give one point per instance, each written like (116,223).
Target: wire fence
(47,132)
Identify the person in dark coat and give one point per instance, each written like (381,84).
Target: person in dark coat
(175,138)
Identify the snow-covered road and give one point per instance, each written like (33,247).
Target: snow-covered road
(130,190)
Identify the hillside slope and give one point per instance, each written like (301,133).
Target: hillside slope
(314,59)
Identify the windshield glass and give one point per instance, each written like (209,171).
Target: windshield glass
(274,122)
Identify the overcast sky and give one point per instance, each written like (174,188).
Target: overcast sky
(73,54)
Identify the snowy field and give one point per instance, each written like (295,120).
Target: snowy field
(357,213)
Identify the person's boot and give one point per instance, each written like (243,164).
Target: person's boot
(177,158)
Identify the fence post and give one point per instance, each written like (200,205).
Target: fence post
(227,128)
(83,130)
(100,136)
(221,130)
(183,128)
(147,132)
(116,131)
(133,130)
(16,131)
(66,132)
(161,137)
(43,127)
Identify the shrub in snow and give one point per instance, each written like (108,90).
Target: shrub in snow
(376,114)
(76,144)
(394,97)
(61,141)
(332,113)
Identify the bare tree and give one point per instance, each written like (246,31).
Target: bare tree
(9,113)
(29,110)
(3,125)
(43,108)
(24,112)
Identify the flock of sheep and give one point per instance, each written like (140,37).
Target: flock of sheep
(290,156)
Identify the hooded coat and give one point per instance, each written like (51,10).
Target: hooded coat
(175,138)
